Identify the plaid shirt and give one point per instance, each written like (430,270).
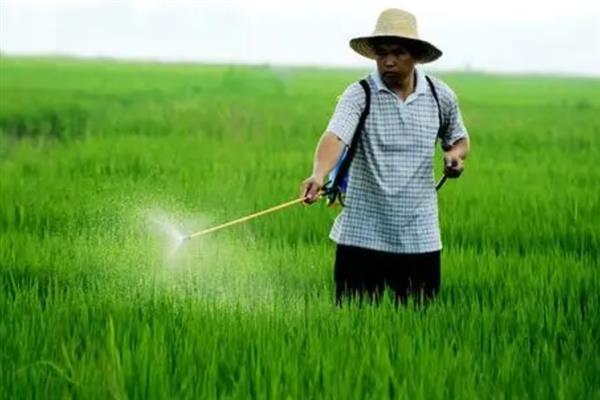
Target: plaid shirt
(391,203)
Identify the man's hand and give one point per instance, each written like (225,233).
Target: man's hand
(453,164)
(454,157)
(310,188)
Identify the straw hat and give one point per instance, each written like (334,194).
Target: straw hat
(395,23)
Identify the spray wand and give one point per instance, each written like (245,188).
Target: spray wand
(268,211)
(244,219)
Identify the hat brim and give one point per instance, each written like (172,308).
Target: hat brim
(426,51)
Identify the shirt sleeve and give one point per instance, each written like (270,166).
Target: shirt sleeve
(347,113)
(455,128)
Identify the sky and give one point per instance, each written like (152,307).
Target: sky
(509,36)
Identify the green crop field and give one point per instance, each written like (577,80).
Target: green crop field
(99,158)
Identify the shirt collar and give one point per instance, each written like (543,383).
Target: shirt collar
(420,84)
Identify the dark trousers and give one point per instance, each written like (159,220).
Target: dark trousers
(364,274)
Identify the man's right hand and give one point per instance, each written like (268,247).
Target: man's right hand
(310,188)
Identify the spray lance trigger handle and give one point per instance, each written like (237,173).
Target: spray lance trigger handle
(330,192)
(334,193)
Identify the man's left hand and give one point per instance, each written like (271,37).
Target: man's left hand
(453,164)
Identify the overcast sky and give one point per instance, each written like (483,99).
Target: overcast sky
(502,36)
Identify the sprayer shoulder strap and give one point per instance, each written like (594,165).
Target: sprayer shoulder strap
(359,128)
(442,127)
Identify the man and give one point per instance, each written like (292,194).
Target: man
(388,234)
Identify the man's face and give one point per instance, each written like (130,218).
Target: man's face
(394,61)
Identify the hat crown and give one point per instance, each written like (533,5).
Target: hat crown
(394,22)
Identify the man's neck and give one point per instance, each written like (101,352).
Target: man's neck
(405,86)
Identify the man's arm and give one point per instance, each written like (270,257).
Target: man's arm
(328,152)
(455,139)
(331,145)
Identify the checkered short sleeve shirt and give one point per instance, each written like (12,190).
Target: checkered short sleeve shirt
(391,203)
